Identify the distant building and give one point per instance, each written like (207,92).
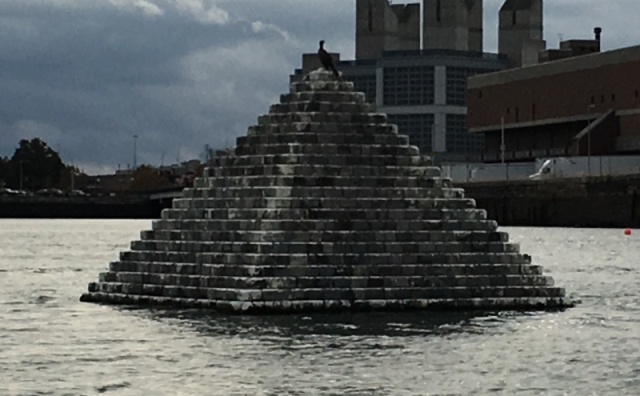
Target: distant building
(577,106)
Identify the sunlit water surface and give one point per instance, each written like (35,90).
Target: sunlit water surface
(51,344)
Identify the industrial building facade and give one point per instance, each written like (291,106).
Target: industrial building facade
(579,106)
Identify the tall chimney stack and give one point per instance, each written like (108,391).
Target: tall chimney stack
(598,32)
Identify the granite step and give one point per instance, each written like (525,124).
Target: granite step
(319,128)
(244,270)
(392,219)
(340,117)
(317,208)
(325,138)
(299,208)
(338,160)
(328,149)
(322,106)
(320,181)
(203,196)
(369,293)
(343,259)
(346,224)
(226,241)
(369,236)
(430,174)
(295,306)
(324,96)
(306,86)
(435,210)
(336,259)
(330,282)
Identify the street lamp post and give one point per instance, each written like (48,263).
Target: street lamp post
(591,106)
(135,152)
(502,145)
(21,175)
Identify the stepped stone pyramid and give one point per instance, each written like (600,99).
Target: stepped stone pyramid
(323,206)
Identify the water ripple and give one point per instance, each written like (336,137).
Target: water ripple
(50,344)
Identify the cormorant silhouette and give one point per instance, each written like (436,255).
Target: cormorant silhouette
(326,60)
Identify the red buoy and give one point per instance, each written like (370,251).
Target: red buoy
(627,231)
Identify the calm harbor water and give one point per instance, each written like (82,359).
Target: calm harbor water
(51,344)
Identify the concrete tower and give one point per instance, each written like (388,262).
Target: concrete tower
(408,19)
(376,27)
(381,27)
(453,24)
(521,31)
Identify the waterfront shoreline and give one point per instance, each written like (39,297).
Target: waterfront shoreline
(597,202)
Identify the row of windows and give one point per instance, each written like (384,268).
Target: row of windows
(415,86)
(613,97)
(516,109)
(408,86)
(457,83)
(459,140)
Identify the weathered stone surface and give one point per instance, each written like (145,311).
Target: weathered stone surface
(324,207)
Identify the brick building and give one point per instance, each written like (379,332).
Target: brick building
(579,106)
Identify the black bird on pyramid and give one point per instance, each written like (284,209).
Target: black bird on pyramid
(326,60)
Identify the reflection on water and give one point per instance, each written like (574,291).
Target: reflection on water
(360,324)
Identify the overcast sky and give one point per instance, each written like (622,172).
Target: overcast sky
(86,75)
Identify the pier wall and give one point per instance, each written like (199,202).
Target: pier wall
(79,207)
(580,202)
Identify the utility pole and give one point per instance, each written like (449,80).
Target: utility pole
(135,152)
(502,145)
(591,106)
(21,175)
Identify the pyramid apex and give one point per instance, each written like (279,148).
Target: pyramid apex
(321,74)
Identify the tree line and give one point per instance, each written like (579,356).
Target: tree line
(35,166)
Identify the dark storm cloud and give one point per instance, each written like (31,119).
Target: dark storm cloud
(86,75)
(86,78)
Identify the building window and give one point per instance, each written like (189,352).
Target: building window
(408,86)
(459,140)
(517,114)
(438,11)
(637,94)
(514,18)
(457,78)
(418,127)
(366,84)
(601,98)
(370,17)
(613,97)
(593,100)
(533,111)
(508,110)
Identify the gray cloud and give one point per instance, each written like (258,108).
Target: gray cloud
(87,75)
